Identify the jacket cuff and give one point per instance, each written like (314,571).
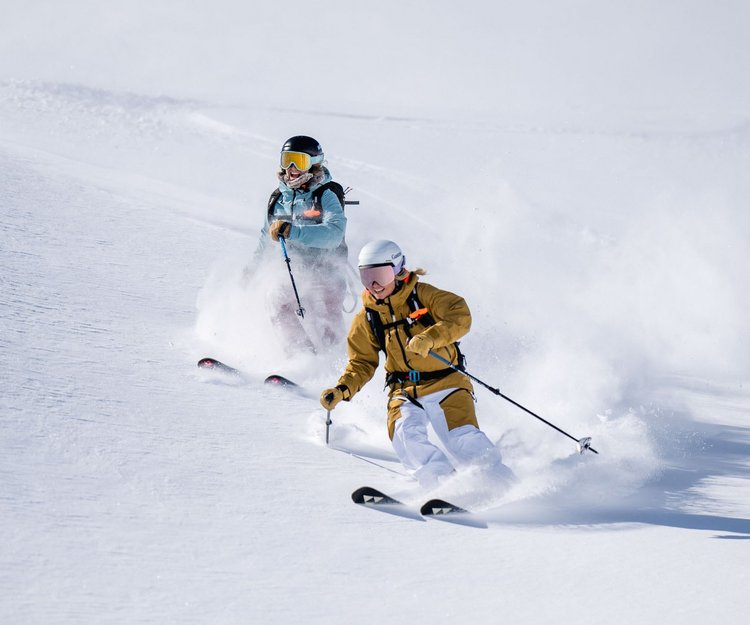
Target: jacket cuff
(345,391)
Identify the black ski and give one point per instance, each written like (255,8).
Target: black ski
(370,497)
(442,510)
(438,507)
(215,365)
(211,364)
(279,380)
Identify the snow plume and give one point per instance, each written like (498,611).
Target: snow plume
(234,316)
(583,315)
(236,311)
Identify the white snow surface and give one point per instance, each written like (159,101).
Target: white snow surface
(577,170)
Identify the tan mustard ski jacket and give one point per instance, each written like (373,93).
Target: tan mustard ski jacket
(452,321)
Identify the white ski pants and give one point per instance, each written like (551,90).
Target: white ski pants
(466,444)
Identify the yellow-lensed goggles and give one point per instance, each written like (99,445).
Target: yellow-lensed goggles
(300,160)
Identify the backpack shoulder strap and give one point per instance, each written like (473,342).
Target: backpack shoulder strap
(332,186)
(425,318)
(272,202)
(376,326)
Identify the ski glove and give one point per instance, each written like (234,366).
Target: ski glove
(332,396)
(421,344)
(279,228)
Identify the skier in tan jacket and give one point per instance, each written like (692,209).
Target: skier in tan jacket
(407,319)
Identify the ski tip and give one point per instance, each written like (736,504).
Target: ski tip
(439,507)
(368,496)
(279,380)
(216,365)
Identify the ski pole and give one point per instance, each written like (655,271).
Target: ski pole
(583,443)
(350,202)
(300,310)
(328,425)
(351,453)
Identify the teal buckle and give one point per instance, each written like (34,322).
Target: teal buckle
(414,376)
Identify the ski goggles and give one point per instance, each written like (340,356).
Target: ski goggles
(300,160)
(382,274)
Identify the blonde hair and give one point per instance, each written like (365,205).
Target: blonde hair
(405,272)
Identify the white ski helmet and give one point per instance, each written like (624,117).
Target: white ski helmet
(382,252)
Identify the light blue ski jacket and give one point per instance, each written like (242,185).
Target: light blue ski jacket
(312,230)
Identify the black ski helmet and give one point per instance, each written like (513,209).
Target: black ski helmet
(304,144)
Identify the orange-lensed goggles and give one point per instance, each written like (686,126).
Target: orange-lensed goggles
(300,160)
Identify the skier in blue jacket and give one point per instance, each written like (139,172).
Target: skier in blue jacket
(307,212)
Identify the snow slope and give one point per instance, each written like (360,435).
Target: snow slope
(576,170)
